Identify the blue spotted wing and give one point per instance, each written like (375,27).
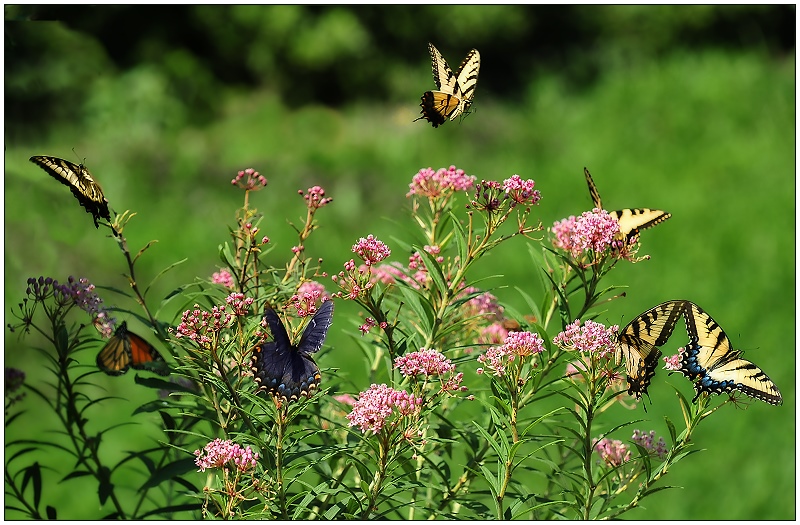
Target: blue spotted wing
(285,370)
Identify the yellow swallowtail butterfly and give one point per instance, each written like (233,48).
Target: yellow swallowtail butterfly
(454,92)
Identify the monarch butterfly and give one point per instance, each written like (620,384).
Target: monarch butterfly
(80,182)
(125,350)
(630,220)
(285,370)
(455,91)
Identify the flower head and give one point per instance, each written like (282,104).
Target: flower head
(219,452)
(253,181)
(376,405)
(673,362)
(440,183)
(594,230)
(202,327)
(224,278)
(612,451)
(427,362)
(315,197)
(239,303)
(591,338)
(646,440)
(516,345)
(521,191)
(371,250)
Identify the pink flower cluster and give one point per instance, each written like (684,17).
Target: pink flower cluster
(369,324)
(219,452)
(239,303)
(613,451)
(591,338)
(224,278)
(254,181)
(198,325)
(516,344)
(521,191)
(593,230)
(371,250)
(315,197)
(439,183)
(673,362)
(489,196)
(494,334)
(313,287)
(376,405)
(646,440)
(428,362)
(306,302)
(485,305)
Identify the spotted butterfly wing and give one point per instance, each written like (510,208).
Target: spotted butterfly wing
(285,370)
(714,366)
(638,343)
(127,350)
(80,182)
(454,92)
(631,220)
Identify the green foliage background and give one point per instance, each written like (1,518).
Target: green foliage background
(690,109)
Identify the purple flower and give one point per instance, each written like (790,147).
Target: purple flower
(376,405)
(219,452)
(521,191)
(594,230)
(658,449)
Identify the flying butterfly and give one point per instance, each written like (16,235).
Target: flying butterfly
(127,350)
(454,92)
(630,220)
(285,370)
(80,182)
(638,342)
(713,365)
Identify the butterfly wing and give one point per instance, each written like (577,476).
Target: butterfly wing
(437,106)
(286,371)
(715,367)
(80,182)
(632,220)
(638,343)
(125,350)
(316,331)
(442,74)
(467,80)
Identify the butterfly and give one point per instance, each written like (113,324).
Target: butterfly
(638,342)
(80,182)
(285,370)
(454,92)
(630,220)
(127,350)
(712,364)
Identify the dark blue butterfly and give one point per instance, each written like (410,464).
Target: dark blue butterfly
(285,370)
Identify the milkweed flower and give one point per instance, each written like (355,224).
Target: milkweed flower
(516,345)
(439,183)
(521,191)
(239,303)
(378,404)
(594,230)
(371,250)
(427,362)
(224,278)
(315,197)
(218,453)
(202,327)
(612,451)
(673,362)
(254,180)
(646,440)
(591,338)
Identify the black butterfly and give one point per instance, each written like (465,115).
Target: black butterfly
(285,370)
(80,182)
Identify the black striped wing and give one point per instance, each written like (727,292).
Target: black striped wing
(714,366)
(454,91)
(632,220)
(80,182)
(287,371)
(638,343)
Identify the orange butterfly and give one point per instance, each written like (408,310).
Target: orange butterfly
(126,349)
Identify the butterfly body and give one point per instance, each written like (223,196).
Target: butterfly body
(714,366)
(81,183)
(454,91)
(127,350)
(632,220)
(285,370)
(638,343)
